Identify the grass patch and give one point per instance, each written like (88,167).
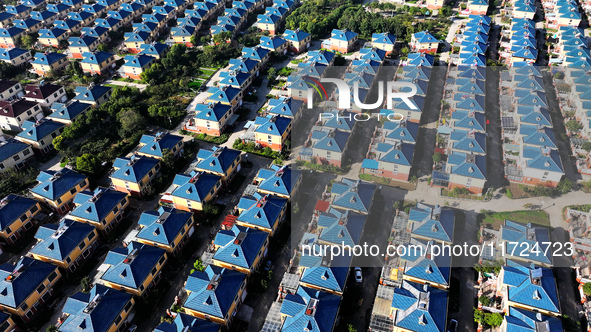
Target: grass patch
(388,182)
(460,194)
(223,138)
(196,84)
(206,73)
(521,216)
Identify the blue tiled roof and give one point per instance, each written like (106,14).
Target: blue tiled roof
(131,266)
(541,294)
(10,148)
(264,212)
(324,272)
(473,166)
(196,186)
(421,59)
(97,205)
(153,50)
(272,42)
(184,323)
(25,277)
(212,292)
(278,179)
(341,227)
(549,161)
(239,246)
(54,184)
(155,145)
(68,111)
(224,95)
(91,94)
(13,208)
(273,125)
(345,35)
(405,131)
(321,318)
(425,37)
(10,54)
(420,307)
(58,241)
(520,320)
(420,264)
(213,111)
(463,141)
(515,234)
(48,59)
(109,306)
(426,224)
(37,131)
(383,38)
(218,160)
(285,106)
(334,141)
(295,35)
(353,194)
(164,225)
(133,169)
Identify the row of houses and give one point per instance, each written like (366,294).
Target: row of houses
(530,151)
(519,44)
(314,280)
(274,16)
(234,19)
(412,292)
(473,41)
(214,294)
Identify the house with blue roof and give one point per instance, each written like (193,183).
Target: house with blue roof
(82,45)
(186,323)
(298,40)
(15,56)
(419,308)
(18,214)
(134,269)
(226,95)
(272,131)
(513,235)
(84,17)
(32,3)
(239,80)
(211,118)
(420,266)
(328,146)
(26,286)
(40,134)
(52,37)
(44,63)
(58,188)
(261,212)
(132,175)
(466,170)
(278,180)
(220,161)
(189,192)
(101,309)
(244,65)
(20,11)
(521,320)
(28,25)
(390,160)
(94,95)
(424,42)
(97,63)
(342,40)
(74,3)
(338,228)
(325,273)
(66,245)
(285,106)
(59,8)
(353,195)
(70,25)
(530,287)
(6,19)
(420,59)
(102,208)
(274,43)
(157,50)
(166,228)
(133,40)
(432,223)
(110,23)
(214,294)
(240,248)
(384,41)
(14,154)
(309,309)
(155,146)
(68,112)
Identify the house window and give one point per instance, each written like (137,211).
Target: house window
(81,245)
(68,260)
(127,306)
(161,260)
(153,272)
(41,288)
(91,236)
(24,306)
(73,191)
(52,276)
(34,209)
(16,157)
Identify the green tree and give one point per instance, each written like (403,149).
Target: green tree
(102,47)
(58,143)
(131,121)
(437,157)
(587,288)
(205,40)
(478,315)
(586,146)
(351,328)
(88,163)
(485,300)
(86,284)
(222,37)
(493,319)
(168,161)
(27,41)
(574,125)
(198,265)
(64,44)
